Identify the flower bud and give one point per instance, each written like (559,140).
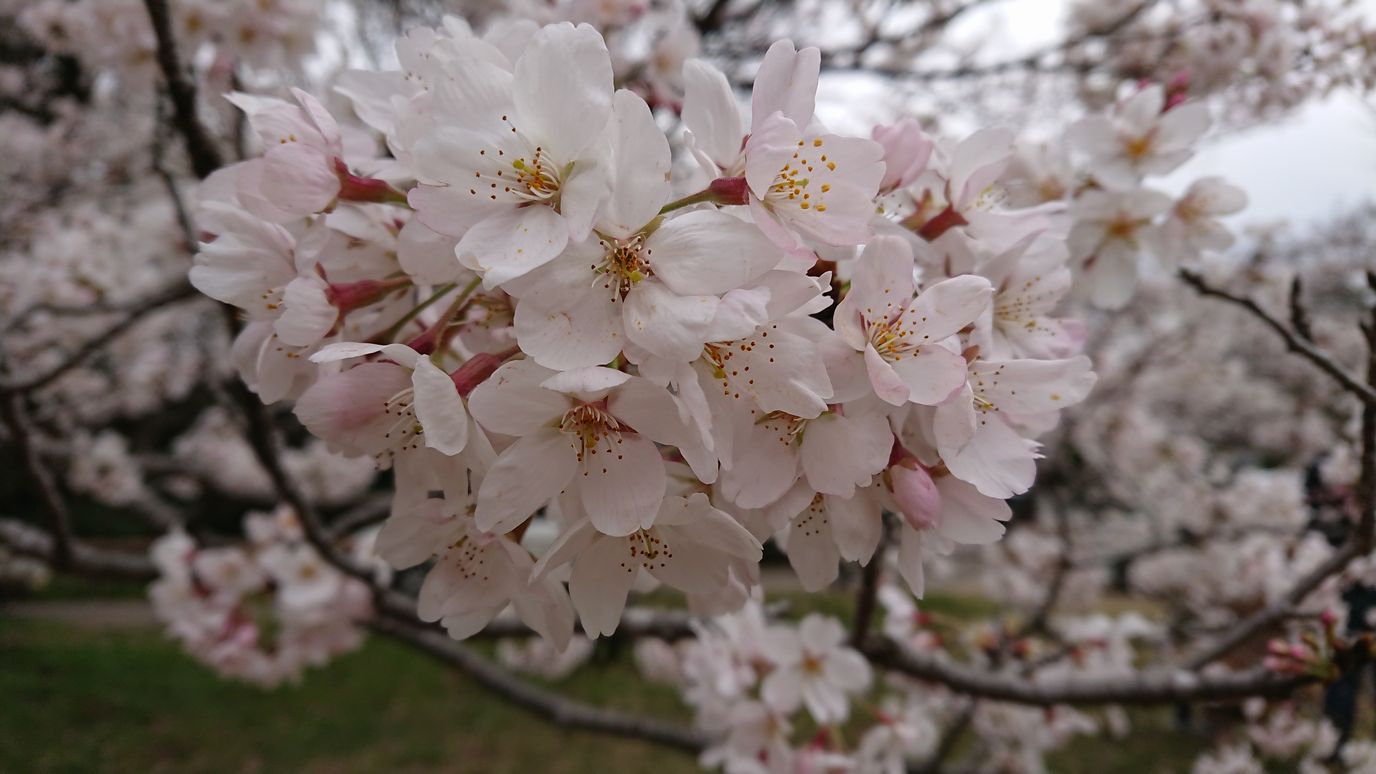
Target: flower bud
(916,494)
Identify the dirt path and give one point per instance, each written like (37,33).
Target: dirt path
(86,613)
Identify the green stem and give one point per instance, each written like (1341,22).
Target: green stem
(705,195)
(390,333)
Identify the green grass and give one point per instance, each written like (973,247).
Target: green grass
(128,701)
(87,700)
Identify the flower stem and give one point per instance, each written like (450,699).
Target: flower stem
(391,332)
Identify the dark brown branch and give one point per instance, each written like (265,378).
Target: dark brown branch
(179,291)
(200,146)
(21,435)
(1146,688)
(1299,315)
(866,596)
(555,709)
(27,540)
(261,434)
(1296,343)
(1278,610)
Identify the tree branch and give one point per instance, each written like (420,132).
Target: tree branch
(1297,343)
(200,147)
(178,291)
(1151,687)
(21,433)
(555,709)
(28,540)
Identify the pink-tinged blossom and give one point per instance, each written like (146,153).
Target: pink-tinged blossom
(686,543)
(475,576)
(1110,232)
(902,337)
(907,149)
(823,530)
(834,453)
(1142,138)
(974,430)
(814,669)
(966,516)
(1192,228)
(515,166)
(811,188)
(655,284)
(1030,279)
(591,431)
(302,169)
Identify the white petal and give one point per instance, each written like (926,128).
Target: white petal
(601,579)
(512,402)
(786,82)
(944,308)
(710,112)
(856,524)
(811,548)
(967,516)
(622,484)
(998,461)
(563,88)
(931,374)
(510,243)
(569,327)
(439,408)
(524,478)
(708,251)
(665,323)
(910,560)
(840,452)
(641,162)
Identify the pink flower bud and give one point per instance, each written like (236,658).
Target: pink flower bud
(916,494)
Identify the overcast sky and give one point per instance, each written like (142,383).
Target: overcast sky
(1320,160)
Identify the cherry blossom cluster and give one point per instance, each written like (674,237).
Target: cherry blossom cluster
(262,613)
(1264,55)
(1281,734)
(115,34)
(1099,167)
(756,684)
(512,309)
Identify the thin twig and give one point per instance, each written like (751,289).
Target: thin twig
(1297,344)
(200,146)
(28,540)
(21,435)
(179,291)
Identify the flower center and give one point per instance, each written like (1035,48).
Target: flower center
(793,183)
(1137,148)
(593,429)
(786,428)
(890,338)
(624,264)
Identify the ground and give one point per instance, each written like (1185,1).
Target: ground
(84,694)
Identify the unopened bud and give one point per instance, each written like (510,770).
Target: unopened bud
(916,494)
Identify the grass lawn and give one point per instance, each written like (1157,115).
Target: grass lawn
(74,699)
